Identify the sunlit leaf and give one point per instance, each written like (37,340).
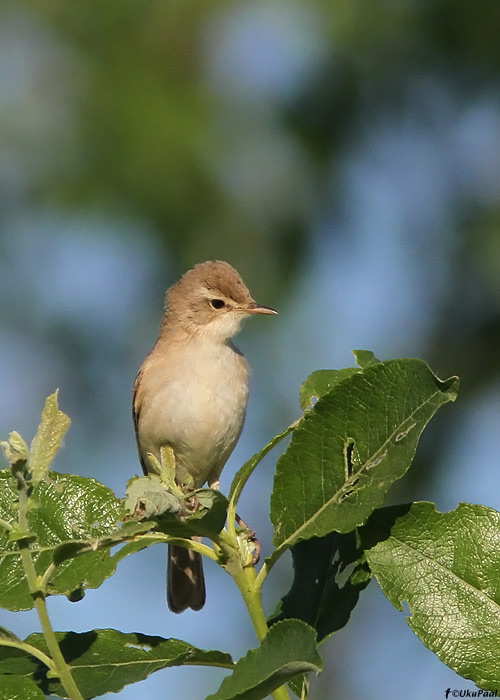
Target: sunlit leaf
(47,441)
(347,451)
(62,508)
(322,382)
(288,650)
(15,449)
(105,661)
(445,566)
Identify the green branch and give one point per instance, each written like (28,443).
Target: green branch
(245,578)
(29,649)
(246,471)
(59,665)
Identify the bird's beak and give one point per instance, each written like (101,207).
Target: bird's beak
(255,308)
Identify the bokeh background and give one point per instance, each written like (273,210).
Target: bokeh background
(345,157)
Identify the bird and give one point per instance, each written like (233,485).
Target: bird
(191,394)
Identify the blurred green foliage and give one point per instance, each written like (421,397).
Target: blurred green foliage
(151,133)
(224,129)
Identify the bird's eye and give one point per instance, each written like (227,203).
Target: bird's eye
(217,303)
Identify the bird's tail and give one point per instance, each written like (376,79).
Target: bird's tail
(185,580)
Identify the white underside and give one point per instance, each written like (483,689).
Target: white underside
(198,407)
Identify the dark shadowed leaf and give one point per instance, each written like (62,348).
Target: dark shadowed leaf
(329,574)
(19,688)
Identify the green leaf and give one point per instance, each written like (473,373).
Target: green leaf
(348,450)
(150,495)
(329,574)
(105,661)
(19,688)
(299,685)
(364,358)
(16,534)
(207,520)
(288,650)
(8,636)
(322,382)
(136,546)
(15,449)
(47,441)
(62,508)
(445,566)
(210,517)
(74,548)
(246,470)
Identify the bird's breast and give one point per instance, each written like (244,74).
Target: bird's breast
(197,406)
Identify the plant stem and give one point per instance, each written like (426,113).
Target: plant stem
(195,546)
(246,471)
(29,649)
(61,667)
(268,565)
(245,578)
(44,580)
(261,576)
(7,526)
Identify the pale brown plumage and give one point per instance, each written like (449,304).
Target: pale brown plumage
(191,393)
